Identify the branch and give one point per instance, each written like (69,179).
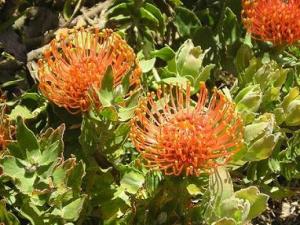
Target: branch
(92,12)
(100,8)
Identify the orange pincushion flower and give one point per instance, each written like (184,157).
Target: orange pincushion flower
(177,135)
(5,129)
(77,63)
(277,21)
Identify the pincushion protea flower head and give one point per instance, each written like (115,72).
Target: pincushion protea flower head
(6,129)
(179,136)
(277,21)
(77,63)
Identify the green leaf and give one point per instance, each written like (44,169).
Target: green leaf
(166,53)
(51,153)
(243,57)
(192,62)
(126,82)
(220,186)
(258,201)
(29,106)
(27,141)
(177,81)
(186,21)
(293,150)
(274,165)
(126,113)
(157,14)
(120,9)
(204,74)
(31,96)
(225,221)
(17,172)
(189,59)
(291,96)
(248,74)
(262,148)
(108,80)
(51,145)
(21,111)
(26,137)
(254,130)
(61,173)
(71,211)
(132,181)
(230,28)
(76,176)
(249,99)
(110,113)
(176,2)
(263,125)
(12,82)
(32,213)
(106,95)
(147,16)
(293,113)
(68,10)
(16,151)
(6,217)
(147,65)
(121,133)
(193,190)
(270,75)
(278,193)
(248,40)
(106,98)
(235,208)
(113,209)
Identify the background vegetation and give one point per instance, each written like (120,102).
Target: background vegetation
(62,168)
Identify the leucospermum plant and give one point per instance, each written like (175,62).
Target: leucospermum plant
(74,67)
(263,20)
(35,170)
(188,139)
(180,136)
(185,113)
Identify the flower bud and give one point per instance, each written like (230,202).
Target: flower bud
(293,113)
(260,138)
(249,99)
(189,63)
(291,107)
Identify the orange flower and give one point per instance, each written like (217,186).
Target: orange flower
(277,21)
(178,135)
(5,129)
(75,65)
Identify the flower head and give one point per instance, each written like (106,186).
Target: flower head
(6,129)
(77,63)
(277,21)
(177,135)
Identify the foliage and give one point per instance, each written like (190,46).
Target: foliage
(46,188)
(60,168)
